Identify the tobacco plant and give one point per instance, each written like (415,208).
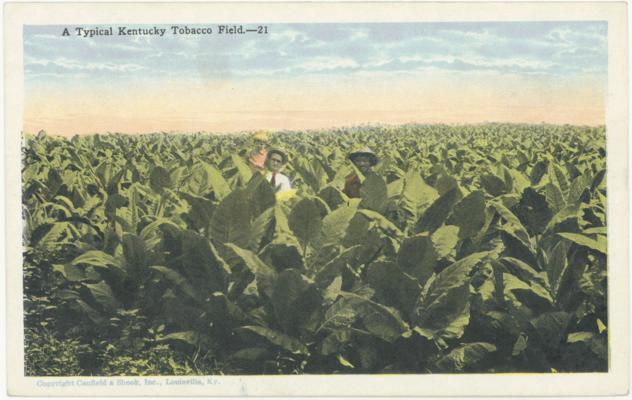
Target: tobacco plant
(472,249)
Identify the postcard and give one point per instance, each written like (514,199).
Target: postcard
(317,199)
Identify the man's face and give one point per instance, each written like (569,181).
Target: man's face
(363,163)
(275,162)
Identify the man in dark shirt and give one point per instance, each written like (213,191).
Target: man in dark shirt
(364,160)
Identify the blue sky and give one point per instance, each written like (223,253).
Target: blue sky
(527,48)
(310,76)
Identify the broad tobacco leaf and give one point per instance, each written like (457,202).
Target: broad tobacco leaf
(260,195)
(202,264)
(159,179)
(467,357)
(231,220)
(557,265)
(97,258)
(558,177)
(102,293)
(551,327)
(554,197)
(352,257)
(469,214)
(445,240)
(191,337)
(381,321)
(199,216)
(512,225)
(50,236)
(296,302)
(373,193)
(533,296)
(437,213)
(223,312)
(71,272)
(332,196)
(306,218)
(245,174)
(493,185)
(333,342)
(445,308)
(334,227)
(417,195)
(598,244)
(135,254)
(393,287)
(276,338)
(417,257)
(283,253)
(205,178)
(533,211)
(180,282)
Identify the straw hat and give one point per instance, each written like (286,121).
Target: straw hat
(261,135)
(365,151)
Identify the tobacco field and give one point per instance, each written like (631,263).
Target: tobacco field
(476,248)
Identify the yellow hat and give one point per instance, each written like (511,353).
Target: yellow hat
(261,135)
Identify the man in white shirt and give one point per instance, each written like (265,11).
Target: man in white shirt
(275,161)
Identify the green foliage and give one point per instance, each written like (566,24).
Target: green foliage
(471,249)
(48,356)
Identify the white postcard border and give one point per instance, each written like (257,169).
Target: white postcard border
(614,382)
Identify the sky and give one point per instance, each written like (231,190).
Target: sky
(313,76)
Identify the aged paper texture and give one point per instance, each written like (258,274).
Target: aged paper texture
(321,199)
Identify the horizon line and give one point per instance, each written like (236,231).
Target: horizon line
(316,130)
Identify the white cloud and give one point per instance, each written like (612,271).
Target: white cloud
(571,36)
(558,49)
(34,61)
(327,64)
(354,33)
(141,40)
(159,54)
(46,36)
(33,76)
(379,61)
(482,37)
(316,44)
(519,62)
(357,35)
(289,35)
(479,61)
(410,43)
(251,49)
(413,58)
(261,72)
(74,65)
(126,47)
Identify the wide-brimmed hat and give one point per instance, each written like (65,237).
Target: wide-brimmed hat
(365,151)
(279,152)
(261,135)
